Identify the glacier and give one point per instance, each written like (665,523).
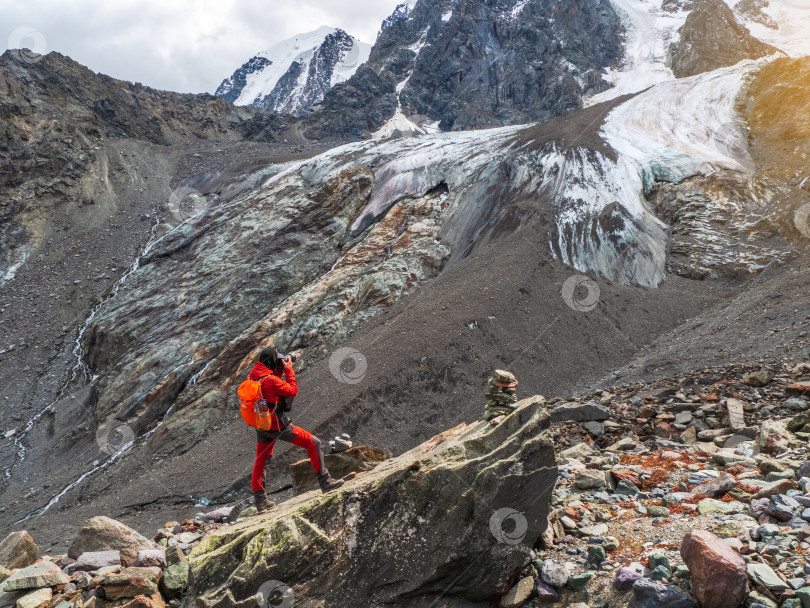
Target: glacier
(651,28)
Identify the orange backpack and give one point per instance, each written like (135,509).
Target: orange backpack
(250,397)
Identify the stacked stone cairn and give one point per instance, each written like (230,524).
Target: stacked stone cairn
(501,396)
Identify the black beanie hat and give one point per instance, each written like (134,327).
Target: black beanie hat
(269,357)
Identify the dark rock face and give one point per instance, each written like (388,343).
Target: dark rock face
(712,38)
(84,160)
(752,11)
(477,63)
(455,517)
(289,99)
(231,87)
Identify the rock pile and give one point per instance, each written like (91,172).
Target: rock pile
(692,491)
(108,564)
(689,492)
(340,443)
(106,561)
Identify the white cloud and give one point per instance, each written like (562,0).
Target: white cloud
(179,45)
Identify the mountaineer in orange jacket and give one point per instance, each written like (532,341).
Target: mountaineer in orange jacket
(268,371)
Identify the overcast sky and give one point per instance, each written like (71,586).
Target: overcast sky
(179,45)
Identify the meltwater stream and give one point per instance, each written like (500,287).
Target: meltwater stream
(81,371)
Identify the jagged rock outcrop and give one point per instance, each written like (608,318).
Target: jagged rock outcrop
(472,64)
(454,517)
(712,38)
(727,224)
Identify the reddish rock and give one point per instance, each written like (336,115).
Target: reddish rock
(719,574)
(146,601)
(800,388)
(717,487)
(646,412)
(666,430)
(626,476)
(131,582)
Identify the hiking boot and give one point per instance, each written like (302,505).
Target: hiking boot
(261,502)
(328,484)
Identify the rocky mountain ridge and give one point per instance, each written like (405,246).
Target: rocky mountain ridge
(460,65)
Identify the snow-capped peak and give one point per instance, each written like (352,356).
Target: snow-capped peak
(293,75)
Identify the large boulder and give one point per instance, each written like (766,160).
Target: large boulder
(93,560)
(18,550)
(649,594)
(340,464)
(719,574)
(131,582)
(36,576)
(105,534)
(455,516)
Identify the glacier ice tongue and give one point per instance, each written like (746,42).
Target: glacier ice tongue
(650,30)
(603,223)
(684,127)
